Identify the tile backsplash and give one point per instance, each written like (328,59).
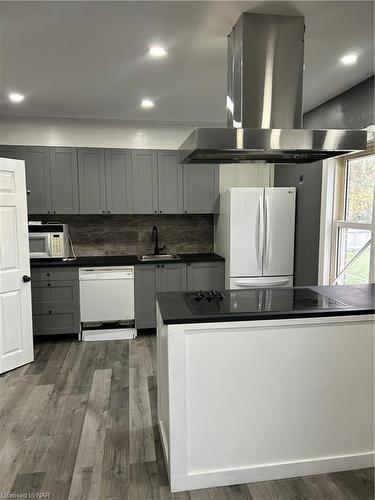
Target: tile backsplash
(131,234)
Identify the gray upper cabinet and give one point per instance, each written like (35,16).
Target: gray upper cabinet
(205,276)
(145,188)
(64,180)
(118,176)
(38,178)
(9,151)
(201,188)
(169,183)
(91,174)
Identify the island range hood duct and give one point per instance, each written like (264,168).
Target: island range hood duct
(264,102)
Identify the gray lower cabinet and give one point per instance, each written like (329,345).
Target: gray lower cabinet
(201,188)
(118,179)
(55,321)
(55,301)
(91,174)
(145,295)
(38,178)
(205,276)
(176,277)
(145,187)
(51,293)
(150,279)
(64,180)
(170,182)
(171,277)
(54,274)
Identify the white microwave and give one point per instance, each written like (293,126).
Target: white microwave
(48,241)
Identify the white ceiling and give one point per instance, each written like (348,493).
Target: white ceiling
(88,59)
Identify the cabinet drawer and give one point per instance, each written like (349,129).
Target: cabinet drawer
(55,293)
(55,321)
(54,274)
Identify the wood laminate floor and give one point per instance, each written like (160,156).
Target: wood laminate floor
(80,423)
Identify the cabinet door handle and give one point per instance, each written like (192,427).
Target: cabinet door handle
(47,274)
(48,284)
(109,211)
(103,211)
(49,312)
(28,191)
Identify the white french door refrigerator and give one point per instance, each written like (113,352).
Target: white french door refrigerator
(255,233)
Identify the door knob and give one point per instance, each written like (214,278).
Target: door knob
(26,278)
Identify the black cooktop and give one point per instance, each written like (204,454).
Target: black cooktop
(259,300)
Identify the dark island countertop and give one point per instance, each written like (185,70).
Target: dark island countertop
(121,260)
(358,299)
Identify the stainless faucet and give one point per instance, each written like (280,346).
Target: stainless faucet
(155,237)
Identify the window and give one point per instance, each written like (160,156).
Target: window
(351,246)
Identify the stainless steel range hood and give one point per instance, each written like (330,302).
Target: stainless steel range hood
(264,102)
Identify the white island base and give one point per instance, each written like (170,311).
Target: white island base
(259,400)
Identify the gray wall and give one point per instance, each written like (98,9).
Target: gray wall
(351,109)
(130,234)
(307,179)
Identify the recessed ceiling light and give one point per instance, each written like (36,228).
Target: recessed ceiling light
(147,103)
(157,51)
(349,59)
(14,97)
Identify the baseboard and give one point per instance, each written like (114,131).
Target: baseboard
(110,334)
(271,472)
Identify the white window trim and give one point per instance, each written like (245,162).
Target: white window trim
(326,220)
(329,222)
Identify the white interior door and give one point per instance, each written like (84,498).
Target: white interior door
(16,334)
(279,222)
(246,231)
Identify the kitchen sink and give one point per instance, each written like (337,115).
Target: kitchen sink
(153,257)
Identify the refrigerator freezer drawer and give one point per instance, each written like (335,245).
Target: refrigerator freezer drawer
(264,282)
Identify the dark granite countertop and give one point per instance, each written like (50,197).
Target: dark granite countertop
(175,308)
(121,260)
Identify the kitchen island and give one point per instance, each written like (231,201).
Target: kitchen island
(265,384)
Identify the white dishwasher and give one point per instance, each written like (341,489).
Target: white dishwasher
(107,303)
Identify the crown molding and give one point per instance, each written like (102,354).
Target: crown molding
(102,123)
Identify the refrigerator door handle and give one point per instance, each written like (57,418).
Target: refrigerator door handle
(272,282)
(258,238)
(266,231)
